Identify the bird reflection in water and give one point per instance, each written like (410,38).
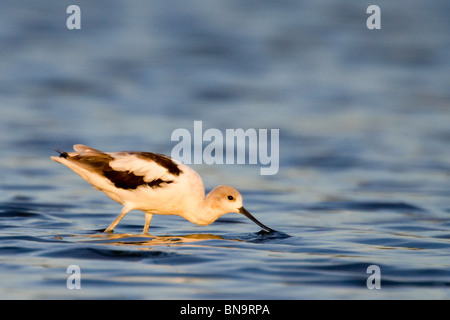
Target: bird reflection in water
(128,239)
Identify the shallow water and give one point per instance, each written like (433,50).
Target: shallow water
(364,148)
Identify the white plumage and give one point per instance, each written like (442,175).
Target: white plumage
(153,183)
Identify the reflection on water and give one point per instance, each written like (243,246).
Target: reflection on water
(142,241)
(129,239)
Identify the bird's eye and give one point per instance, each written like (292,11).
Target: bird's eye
(230,198)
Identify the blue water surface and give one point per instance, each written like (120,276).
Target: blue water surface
(364,147)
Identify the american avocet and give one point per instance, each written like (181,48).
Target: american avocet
(153,183)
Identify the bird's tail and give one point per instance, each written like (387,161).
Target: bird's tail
(62,154)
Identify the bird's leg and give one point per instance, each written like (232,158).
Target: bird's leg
(148,218)
(122,214)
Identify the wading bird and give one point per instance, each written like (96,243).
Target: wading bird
(153,183)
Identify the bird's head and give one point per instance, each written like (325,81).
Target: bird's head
(225,199)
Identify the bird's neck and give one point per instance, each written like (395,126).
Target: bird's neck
(206,213)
